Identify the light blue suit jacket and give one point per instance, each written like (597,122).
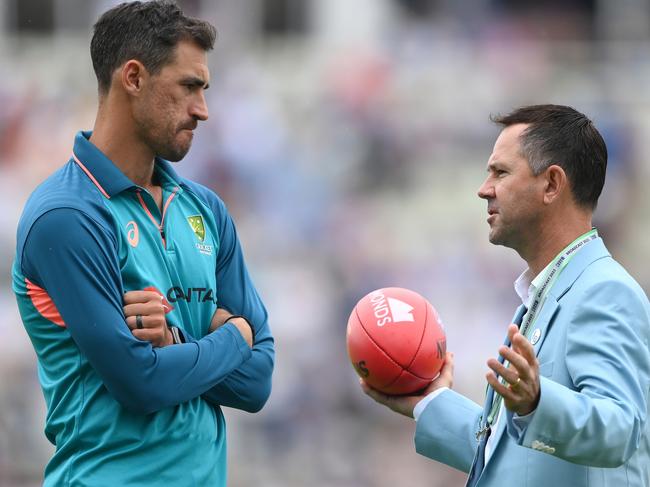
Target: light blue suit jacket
(590,427)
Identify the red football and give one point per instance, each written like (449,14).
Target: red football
(395,340)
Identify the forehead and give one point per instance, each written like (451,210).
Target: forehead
(188,59)
(507,148)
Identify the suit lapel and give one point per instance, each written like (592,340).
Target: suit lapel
(541,327)
(516,319)
(587,255)
(543,322)
(519,315)
(590,253)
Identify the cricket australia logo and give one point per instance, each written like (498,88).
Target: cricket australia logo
(197,226)
(196,223)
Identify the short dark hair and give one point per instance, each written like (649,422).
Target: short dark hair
(563,136)
(146,31)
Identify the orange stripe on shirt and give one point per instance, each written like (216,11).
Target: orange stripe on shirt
(89,174)
(43,303)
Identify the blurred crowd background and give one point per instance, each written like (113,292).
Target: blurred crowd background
(348,139)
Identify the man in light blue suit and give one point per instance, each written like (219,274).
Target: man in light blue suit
(567,402)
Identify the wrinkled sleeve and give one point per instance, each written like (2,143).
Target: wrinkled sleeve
(249,386)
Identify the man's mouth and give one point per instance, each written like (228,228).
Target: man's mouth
(190,126)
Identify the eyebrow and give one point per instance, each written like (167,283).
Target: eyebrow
(195,81)
(492,165)
(495,166)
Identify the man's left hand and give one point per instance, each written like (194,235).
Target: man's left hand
(145,316)
(521,390)
(219,318)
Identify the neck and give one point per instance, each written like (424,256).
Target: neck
(552,239)
(115,135)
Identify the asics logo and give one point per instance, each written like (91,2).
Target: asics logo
(132,233)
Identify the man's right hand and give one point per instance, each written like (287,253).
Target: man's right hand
(405,404)
(221,315)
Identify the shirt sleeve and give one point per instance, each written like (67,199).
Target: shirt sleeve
(424,402)
(74,259)
(249,386)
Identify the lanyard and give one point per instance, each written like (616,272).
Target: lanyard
(549,276)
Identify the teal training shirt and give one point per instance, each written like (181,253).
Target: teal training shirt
(121,412)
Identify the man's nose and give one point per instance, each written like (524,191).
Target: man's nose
(486,190)
(199,109)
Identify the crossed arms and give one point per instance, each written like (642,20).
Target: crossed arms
(74,258)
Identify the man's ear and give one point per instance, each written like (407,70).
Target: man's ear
(133,76)
(555,183)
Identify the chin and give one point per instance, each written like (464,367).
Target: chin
(174,154)
(495,238)
(506,240)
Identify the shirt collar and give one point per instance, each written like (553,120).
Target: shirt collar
(108,178)
(526,284)
(523,286)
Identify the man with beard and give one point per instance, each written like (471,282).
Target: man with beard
(567,402)
(134,394)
